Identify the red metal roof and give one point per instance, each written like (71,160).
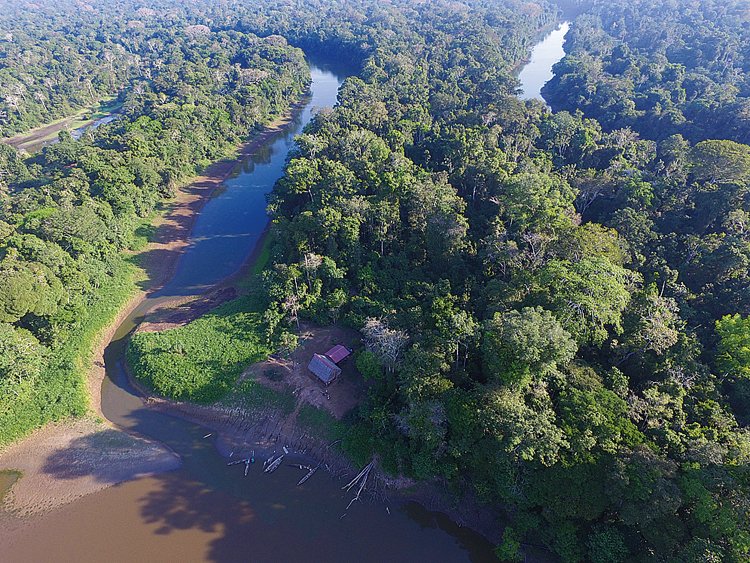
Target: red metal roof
(338,353)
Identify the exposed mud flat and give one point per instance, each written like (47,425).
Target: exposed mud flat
(63,462)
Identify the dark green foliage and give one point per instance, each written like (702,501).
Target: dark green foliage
(537,291)
(678,66)
(322,424)
(57,390)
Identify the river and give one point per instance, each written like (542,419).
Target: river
(544,56)
(206,511)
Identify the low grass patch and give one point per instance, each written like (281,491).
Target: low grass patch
(264,256)
(202,360)
(251,395)
(321,423)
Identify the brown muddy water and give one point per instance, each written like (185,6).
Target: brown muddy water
(206,510)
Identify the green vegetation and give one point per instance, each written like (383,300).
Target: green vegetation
(554,304)
(200,361)
(536,292)
(253,396)
(39,384)
(322,424)
(67,213)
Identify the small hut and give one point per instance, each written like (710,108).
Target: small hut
(324,368)
(338,353)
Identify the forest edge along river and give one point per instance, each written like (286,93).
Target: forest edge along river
(545,54)
(206,510)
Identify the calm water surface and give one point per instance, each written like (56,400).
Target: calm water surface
(543,57)
(207,510)
(231,223)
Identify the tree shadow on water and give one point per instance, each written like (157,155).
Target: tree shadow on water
(222,527)
(183,504)
(108,456)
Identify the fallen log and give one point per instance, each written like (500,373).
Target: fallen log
(354,481)
(361,478)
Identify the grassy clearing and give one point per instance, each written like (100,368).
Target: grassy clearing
(251,395)
(60,391)
(202,360)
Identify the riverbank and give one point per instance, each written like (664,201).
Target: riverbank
(96,449)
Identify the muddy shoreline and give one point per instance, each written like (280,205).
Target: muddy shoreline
(235,432)
(92,442)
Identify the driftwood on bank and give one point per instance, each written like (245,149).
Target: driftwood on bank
(360,479)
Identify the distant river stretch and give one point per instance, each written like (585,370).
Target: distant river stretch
(544,56)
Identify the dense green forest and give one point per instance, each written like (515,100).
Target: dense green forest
(67,213)
(661,68)
(555,305)
(555,311)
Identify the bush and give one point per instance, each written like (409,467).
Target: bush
(59,390)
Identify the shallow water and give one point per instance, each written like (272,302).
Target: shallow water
(7,478)
(544,56)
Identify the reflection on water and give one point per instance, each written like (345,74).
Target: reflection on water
(544,56)
(228,227)
(174,518)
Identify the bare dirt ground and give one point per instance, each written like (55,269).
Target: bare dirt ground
(265,429)
(292,375)
(62,462)
(34,140)
(262,430)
